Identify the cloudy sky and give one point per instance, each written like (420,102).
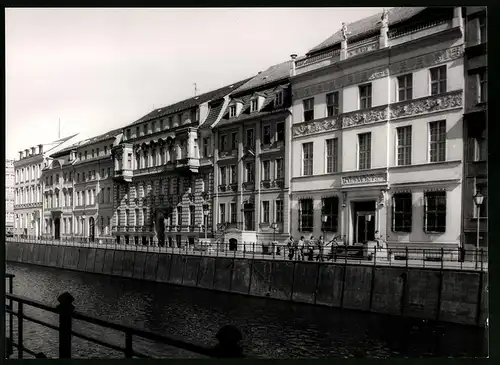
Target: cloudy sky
(100,69)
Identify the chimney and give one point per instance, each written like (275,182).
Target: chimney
(20,155)
(292,70)
(33,150)
(40,148)
(27,152)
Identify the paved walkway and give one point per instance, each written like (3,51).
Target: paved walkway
(451,265)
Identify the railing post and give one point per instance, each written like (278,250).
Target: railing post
(20,331)
(406,251)
(482,259)
(476,258)
(442,258)
(65,309)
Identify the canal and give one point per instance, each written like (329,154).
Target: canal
(272,328)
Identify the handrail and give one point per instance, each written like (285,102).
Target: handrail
(228,336)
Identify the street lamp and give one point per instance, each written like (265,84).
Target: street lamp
(274,227)
(205,214)
(478,200)
(324,219)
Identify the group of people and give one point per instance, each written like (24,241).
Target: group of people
(305,248)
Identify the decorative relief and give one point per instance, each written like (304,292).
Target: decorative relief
(363,179)
(427,60)
(316,127)
(427,105)
(364,117)
(362,49)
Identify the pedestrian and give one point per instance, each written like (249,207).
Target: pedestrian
(301,247)
(320,244)
(310,248)
(289,244)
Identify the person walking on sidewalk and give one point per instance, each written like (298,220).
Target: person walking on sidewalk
(289,244)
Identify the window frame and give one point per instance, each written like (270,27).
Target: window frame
(442,83)
(308,110)
(405,88)
(254,105)
(247,135)
(436,211)
(404,146)
(232,111)
(402,219)
(278,99)
(278,211)
(366,153)
(265,218)
(308,161)
(332,104)
(482,87)
(482,30)
(331,160)
(365,101)
(266,170)
(307,217)
(439,143)
(266,136)
(332,223)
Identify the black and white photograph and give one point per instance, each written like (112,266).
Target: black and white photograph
(255,183)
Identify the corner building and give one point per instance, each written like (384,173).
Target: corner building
(163,173)
(377,131)
(251,162)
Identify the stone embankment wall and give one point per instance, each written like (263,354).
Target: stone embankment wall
(458,296)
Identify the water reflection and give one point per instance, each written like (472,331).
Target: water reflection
(272,328)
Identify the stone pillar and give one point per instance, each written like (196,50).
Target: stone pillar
(457,17)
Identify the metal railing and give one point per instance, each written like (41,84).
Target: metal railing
(228,337)
(449,258)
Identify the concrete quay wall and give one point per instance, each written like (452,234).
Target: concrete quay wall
(457,296)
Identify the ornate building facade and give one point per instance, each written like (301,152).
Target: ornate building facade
(9,194)
(78,185)
(163,175)
(251,163)
(475,128)
(377,130)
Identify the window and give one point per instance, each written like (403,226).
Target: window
(109,172)
(93,153)
(278,101)
(437,141)
(332,104)
(153,126)
(278,217)
(179,216)
(479,151)
(404,145)
(222,208)
(307,158)
(109,195)
(331,155)
(170,122)
(191,215)
(249,171)
(97,152)
(232,111)
(249,138)
(364,153)
(205,146)
(265,211)
(280,131)
(223,143)
(145,129)
(330,209)
(482,29)
(137,132)
(266,131)
(401,212)
(233,212)
(435,211)
(365,96)
(233,174)
(438,80)
(266,167)
(405,87)
(222,175)
(234,141)
(306,215)
(279,168)
(83,176)
(253,105)
(481,187)
(105,150)
(85,154)
(482,88)
(162,124)
(308,109)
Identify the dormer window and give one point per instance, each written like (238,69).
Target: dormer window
(145,129)
(278,101)
(253,105)
(232,111)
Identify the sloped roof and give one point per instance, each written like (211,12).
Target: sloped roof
(213,114)
(189,103)
(89,141)
(369,25)
(272,74)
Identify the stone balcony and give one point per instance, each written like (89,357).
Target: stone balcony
(123,175)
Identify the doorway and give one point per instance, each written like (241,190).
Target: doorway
(57,228)
(233,244)
(91,229)
(248,214)
(364,221)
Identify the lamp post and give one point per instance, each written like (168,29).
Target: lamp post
(274,226)
(324,219)
(205,215)
(478,200)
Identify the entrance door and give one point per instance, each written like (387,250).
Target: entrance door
(364,221)
(57,228)
(248,213)
(91,229)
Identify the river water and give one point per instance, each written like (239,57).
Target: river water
(272,329)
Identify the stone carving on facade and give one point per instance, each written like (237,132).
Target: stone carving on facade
(316,127)
(363,49)
(427,60)
(427,105)
(364,179)
(384,20)
(344,32)
(364,117)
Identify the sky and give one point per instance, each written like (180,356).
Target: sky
(100,69)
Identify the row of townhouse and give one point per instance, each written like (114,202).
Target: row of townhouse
(363,134)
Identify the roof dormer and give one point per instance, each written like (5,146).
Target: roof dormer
(256,102)
(235,108)
(279,96)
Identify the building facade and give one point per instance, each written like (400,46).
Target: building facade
(251,163)
(78,190)
(377,131)
(475,128)
(9,194)
(163,184)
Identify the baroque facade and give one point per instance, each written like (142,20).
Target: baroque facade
(377,131)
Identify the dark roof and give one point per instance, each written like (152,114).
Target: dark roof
(272,74)
(191,102)
(213,114)
(89,141)
(369,25)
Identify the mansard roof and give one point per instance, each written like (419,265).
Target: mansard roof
(271,75)
(367,26)
(89,141)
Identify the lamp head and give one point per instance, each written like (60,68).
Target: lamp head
(478,198)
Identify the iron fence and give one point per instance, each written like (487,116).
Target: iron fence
(450,258)
(228,337)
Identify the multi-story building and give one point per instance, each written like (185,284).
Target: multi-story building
(251,159)
(377,130)
(475,128)
(78,185)
(162,186)
(9,194)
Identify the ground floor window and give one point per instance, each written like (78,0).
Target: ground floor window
(401,212)
(435,211)
(306,215)
(330,210)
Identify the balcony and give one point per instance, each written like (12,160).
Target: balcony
(123,175)
(28,205)
(191,164)
(228,154)
(223,188)
(273,147)
(232,187)
(278,183)
(412,32)
(248,185)
(265,184)
(319,60)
